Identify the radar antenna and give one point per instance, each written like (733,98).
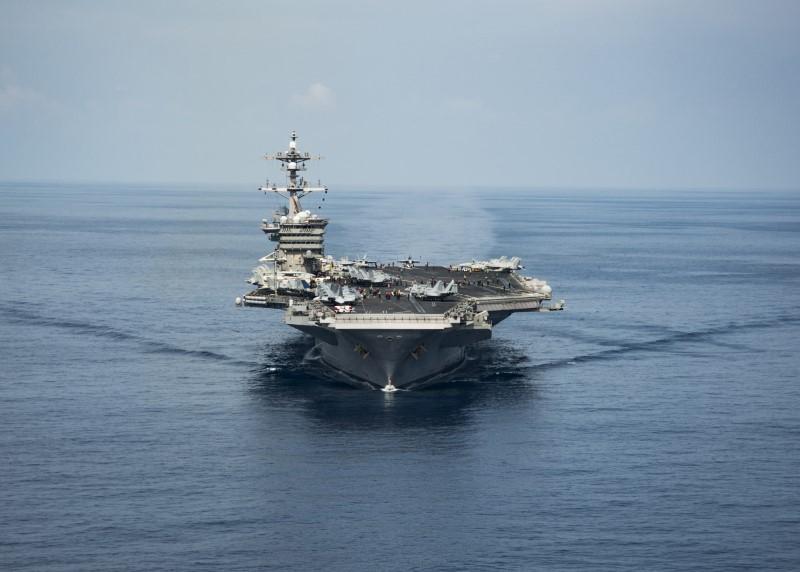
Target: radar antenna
(293,162)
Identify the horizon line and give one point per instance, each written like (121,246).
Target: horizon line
(229,185)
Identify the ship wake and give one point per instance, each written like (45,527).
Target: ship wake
(21,316)
(667,343)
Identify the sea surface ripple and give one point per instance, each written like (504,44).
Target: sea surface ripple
(146,423)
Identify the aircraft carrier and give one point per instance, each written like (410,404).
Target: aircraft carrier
(401,324)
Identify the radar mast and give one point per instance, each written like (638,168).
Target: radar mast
(293,162)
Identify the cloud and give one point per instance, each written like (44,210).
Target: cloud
(464,104)
(317,96)
(13,96)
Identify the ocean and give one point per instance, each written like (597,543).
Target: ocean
(147,423)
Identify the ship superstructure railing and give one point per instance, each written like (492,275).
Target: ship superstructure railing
(292,228)
(307,229)
(416,318)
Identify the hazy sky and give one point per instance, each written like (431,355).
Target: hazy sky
(623,94)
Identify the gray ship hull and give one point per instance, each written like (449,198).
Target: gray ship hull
(403,357)
(392,326)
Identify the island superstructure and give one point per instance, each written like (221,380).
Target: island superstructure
(397,325)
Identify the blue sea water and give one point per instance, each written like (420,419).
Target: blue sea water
(146,423)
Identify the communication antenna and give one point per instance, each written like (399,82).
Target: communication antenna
(293,162)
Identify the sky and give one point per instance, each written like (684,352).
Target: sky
(588,94)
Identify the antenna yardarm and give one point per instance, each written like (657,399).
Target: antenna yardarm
(293,162)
